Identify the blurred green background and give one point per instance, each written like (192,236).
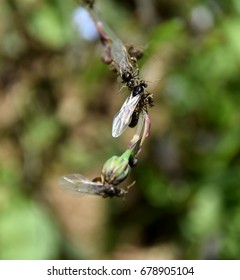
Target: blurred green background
(57,102)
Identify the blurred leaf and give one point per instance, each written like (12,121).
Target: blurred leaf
(27,232)
(231,28)
(189,183)
(40,134)
(168,33)
(47,26)
(9,176)
(205,214)
(231,240)
(154,187)
(223,152)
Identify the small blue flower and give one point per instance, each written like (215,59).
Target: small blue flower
(85,24)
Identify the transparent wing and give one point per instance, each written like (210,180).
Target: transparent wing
(97,16)
(123,117)
(144,126)
(79,184)
(119,52)
(120,57)
(141,124)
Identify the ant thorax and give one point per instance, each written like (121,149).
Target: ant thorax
(111,191)
(139,89)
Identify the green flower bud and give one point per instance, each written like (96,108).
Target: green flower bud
(115,170)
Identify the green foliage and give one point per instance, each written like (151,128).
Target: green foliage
(57,104)
(40,134)
(27,232)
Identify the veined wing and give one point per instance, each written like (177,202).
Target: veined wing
(123,117)
(120,57)
(119,52)
(97,16)
(144,126)
(79,184)
(141,123)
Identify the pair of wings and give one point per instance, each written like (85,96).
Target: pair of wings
(79,184)
(119,52)
(123,118)
(120,57)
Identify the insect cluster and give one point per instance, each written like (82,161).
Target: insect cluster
(133,113)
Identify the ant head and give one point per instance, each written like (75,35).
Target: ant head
(127,76)
(143,84)
(149,100)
